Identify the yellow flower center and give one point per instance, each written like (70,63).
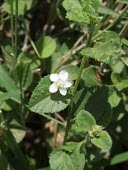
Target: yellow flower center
(57,85)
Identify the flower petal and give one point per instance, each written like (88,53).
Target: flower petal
(67,83)
(63,91)
(53,88)
(63,75)
(54,77)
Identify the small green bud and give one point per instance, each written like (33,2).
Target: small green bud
(95,131)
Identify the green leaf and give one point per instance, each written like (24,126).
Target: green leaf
(119,82)
(3,162)
(82,11)
(118,67)
(42,101)
(125,60)
(103,141)
(13,94)
(17,129)
(115,78)
(97,102)
(27,58)
(72,71)
(60,160)
(83,122)
(89,77)
(114,98)
(124,41)
(68,159)
(107,49)
(25,75)
(118,112)
(14,155)
(80,100)
(107,11)
(122,85)
(46,46)
(6,81)
(86,98)
(119,158)
(106,117)
(22,6)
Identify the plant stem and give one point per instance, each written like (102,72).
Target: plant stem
(12,30)
(68,121)
(16,30)
(76,86)
(16,55)
(31,41)
(117,18)
(124,30)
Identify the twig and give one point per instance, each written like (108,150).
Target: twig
(60,117)
(55,134)
(124,30)
(73,50)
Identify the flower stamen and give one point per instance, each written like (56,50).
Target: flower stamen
(57,85)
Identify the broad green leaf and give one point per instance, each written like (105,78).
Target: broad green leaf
(124,41)
(18,134)
(125,60)
(42,101)
(61,160)
(69,156)
(107,11)
(115,78)
(72,71)
(118,67)
(27,58)
(14,155)
(25,75)
(83,122)
(3,162)
(103,141)
(114,98)
(46,46)
(106,117)
(80,100)
(118,112)
(89,77)
(122,84)
(107,49)
(82,11)
(13,94)
(23,6)
(119,158)
(91,100)
(97,102)
(17,129)
(6,81)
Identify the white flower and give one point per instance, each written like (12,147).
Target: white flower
(60,82)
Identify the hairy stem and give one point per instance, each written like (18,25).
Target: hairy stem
(16,30)
(76,86)
(12,31)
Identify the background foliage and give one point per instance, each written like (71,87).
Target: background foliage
(87,38)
